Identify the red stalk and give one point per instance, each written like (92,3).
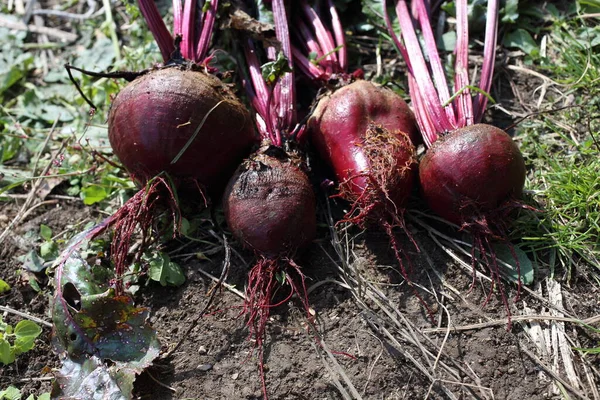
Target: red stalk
(158,28)
(489,55)
(340,38)
(177,17)
(196,34)
(208,22)
(187,41)
(430,98)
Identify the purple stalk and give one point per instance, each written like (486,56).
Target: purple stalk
(307,38)
(274,104)
(340,38)
(464,103)
(287,101)
(306,65)
(323,37)
(423,81)
(187,41)
(489,57)
(435,63)
(208,22)
(257,91)
(158,28)
(177,17)
(428,100)
(317,38)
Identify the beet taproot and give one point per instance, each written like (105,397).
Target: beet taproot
(471,172)
(270,205)
(154,117)
(363,132)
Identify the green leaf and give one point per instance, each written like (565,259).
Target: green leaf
(3,326)
(10,393)
(274,70)
(27,329)
(510,12)
(49,250)
(4,287)
(91,379)
(522,39)
(45,232)
(91,321)
(32,262)
(509,267)
(7,354)
(165,271)
(93,194)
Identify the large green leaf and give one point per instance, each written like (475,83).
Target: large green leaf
(93,325)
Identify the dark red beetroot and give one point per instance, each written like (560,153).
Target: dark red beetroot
(153,118)
(269,203)
(487,169)
(173,126)
(363,132)
(471,174)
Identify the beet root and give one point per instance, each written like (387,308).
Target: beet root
(154,117)
(471,173)
(364,132)
(269,204)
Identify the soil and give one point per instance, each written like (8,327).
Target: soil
(218,360)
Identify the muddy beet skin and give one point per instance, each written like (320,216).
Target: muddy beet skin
(366,133)
(269,206)
(471,172)
(154,116)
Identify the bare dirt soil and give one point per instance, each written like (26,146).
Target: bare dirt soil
(217,360)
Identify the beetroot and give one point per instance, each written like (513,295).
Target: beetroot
(272,189)
(458,194)
(174,126)
(364,132)
(153,118)
(472,174)
(269,203)
(357,129)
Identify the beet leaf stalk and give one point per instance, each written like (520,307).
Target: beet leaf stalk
(472,173)
(269,203)
(364,132)
(175,127)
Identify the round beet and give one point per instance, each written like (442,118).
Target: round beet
(153,118)
(363,131)
(269,204)
(470,172)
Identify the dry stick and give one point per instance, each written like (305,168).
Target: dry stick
(497,322)
(213,292)
(56,33)
(332,373)
(554,375)
(35,186)
(25,315)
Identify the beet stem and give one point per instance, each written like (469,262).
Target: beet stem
(157,27)
(464,102)
(489,57)
(177,17)
(189,17)
(208,22)
(340,38)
